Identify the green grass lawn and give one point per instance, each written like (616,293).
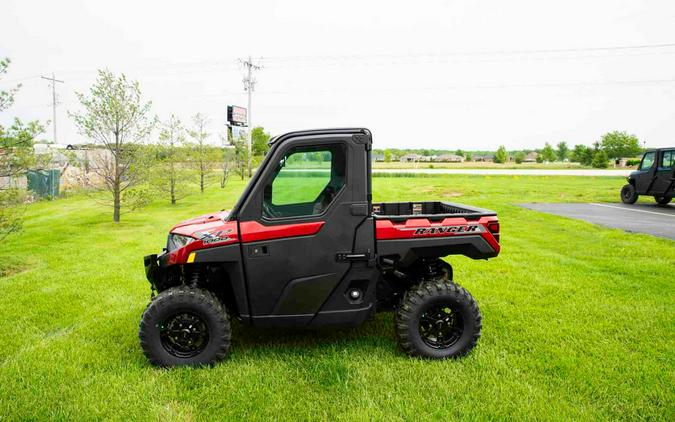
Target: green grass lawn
(578,323)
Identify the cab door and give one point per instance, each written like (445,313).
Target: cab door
(298,220)
(663,183)
(646,173)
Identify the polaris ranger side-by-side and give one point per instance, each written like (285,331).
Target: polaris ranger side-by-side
(654,177)
(304,246)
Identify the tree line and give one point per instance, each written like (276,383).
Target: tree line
(611,146)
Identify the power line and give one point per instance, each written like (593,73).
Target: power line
(413,58)
(476,53)
(53,83)
(390,88)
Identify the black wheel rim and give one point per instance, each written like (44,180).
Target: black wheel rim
(441,326)
(626,194)
(184,334)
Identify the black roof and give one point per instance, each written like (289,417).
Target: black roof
(333,131)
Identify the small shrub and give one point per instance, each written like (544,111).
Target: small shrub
(600,160)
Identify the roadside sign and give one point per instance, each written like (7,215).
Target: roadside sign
(236,115)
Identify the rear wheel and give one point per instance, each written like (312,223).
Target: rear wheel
(628,194)
(438,319)
(185,326)
(663,200)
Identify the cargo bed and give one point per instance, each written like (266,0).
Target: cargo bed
(432,210)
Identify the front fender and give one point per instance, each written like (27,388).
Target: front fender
(156,269)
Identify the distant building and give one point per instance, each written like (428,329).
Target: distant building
(378,157)
(411,158)
(449,158)
(531,157)
(488,158)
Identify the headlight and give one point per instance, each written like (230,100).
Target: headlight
(177,241)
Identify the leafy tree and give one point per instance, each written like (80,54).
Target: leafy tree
(228,165)
(172,175)
(116,118)
(520,157)
(540,158)
(6,96)
(582,154)
(547,153)
(562,151)
(501,156)
(16,156)
(200,148)
(587,158)
(260,140)
(620,144)
(468,156)
(387,156)
(459,152)
(577,154)
(600,159)
(240,155)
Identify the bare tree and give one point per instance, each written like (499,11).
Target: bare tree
(202,151)
(116,118)
(228,163)
(172,175)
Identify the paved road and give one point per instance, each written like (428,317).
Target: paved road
(638,218)
(513,172)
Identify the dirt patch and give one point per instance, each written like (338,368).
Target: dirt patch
(8,268)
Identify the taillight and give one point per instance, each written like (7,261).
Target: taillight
(493,227)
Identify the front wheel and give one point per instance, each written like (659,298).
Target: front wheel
(663,200)
(628,194)
(438,319)
(185,326)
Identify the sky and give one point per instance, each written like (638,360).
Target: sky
(469,75)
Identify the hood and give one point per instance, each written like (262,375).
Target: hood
(202,223)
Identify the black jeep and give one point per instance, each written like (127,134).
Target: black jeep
(654,177)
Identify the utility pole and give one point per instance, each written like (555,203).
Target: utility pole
(249,86)
(54,81)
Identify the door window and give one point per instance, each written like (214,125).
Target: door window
(305,182)
(667,160)
(647,161)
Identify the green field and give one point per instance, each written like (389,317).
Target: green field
(479,165)
(579,323)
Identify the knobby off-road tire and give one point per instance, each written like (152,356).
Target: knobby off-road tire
(663,200)
(628,194)
(438,319)
(185,326)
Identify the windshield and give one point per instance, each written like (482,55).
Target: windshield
(647,161)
